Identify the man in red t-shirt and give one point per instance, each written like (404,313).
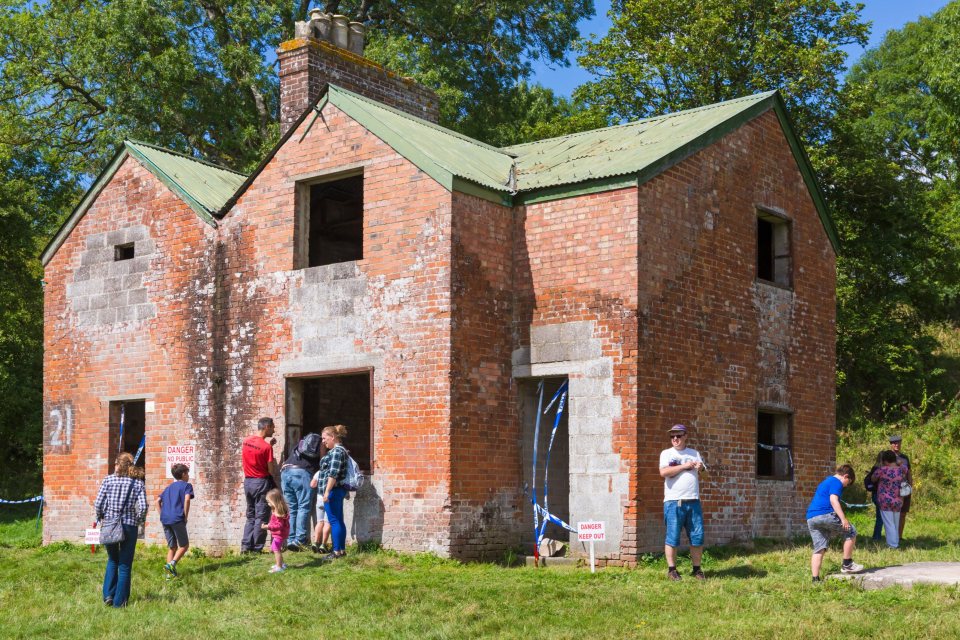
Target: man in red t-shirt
(259,467)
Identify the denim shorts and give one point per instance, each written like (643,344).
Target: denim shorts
(827,526)
(683,514)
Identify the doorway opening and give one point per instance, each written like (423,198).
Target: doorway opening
(128,431)
(316,402)
(557,475)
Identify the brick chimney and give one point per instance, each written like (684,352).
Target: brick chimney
(329,48)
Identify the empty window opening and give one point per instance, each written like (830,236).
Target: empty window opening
(317,402)
(558,476)
(123,252)
(774,458)
(128,431)
(773,249)
(331,214)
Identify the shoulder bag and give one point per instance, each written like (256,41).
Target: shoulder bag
(111,528)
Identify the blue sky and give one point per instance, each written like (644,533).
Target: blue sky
(885,15)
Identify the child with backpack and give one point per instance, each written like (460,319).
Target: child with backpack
(174,507)
(279,527)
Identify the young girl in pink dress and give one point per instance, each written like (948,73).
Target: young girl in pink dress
(279,527)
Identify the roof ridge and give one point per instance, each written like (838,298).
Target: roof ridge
(663,116)
(427,123)
(183,155)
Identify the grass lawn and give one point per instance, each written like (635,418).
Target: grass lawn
(763,592)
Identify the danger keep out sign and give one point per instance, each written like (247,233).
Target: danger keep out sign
(182,453)
(591,531)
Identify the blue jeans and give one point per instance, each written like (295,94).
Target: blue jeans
(686,515)
(299,495)
(116,581)
(878,521)
(334,510)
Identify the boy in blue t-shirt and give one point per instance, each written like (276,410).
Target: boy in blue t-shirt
(825,519)
(174,507)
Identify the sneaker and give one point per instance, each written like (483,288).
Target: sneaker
(674,575)
(276,569)
(108,602)
(698,574)
(171,570)
(853,567)
(294,546)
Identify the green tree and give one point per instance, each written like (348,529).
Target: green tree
(79,76)
(667,55)
(890,171)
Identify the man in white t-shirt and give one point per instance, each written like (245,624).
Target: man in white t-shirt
(679,466)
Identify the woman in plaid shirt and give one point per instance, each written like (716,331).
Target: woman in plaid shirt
(333,469)
(121,494)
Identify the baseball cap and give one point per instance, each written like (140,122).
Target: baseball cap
(896,439)
(678,428)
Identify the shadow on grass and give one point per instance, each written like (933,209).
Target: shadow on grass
(170,596)
(206,566)
(741,571)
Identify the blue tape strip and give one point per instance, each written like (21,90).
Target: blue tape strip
(27,501)
(143,442)
(120,443)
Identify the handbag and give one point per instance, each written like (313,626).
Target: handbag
(111,528)
(905,489)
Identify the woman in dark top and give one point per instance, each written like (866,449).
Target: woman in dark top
(122,493)
(333,469)
(295,475)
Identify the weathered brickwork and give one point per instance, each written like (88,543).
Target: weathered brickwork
(644,298)
(576,291)
(308,65)
(122,330)
(389,311)
(485,435)
(715,344)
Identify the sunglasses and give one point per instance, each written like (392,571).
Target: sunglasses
(675,436)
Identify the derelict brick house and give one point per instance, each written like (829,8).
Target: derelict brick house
(380,271)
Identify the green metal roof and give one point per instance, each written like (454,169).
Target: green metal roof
(202,185)
(205,187)
(441,153)
(599,160)
(625,149)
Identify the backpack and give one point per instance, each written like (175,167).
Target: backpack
(310,446)
(868,481)
(354,478)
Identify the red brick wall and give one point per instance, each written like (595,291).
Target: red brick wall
(576,260)
(450,290)
(307,65)
(485,436)
(703,318)
(396,310)
(88,362)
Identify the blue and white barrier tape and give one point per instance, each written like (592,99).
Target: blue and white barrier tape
(856,506)
(28,500)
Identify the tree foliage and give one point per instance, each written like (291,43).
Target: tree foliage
(79,76)
(890,168)
(667,55)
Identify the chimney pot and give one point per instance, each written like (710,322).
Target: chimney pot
(322,26)
(357,33)
(341,31)
(303,30)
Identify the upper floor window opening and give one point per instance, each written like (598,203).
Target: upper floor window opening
(330,221)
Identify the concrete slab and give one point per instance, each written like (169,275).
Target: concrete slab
(906,575)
